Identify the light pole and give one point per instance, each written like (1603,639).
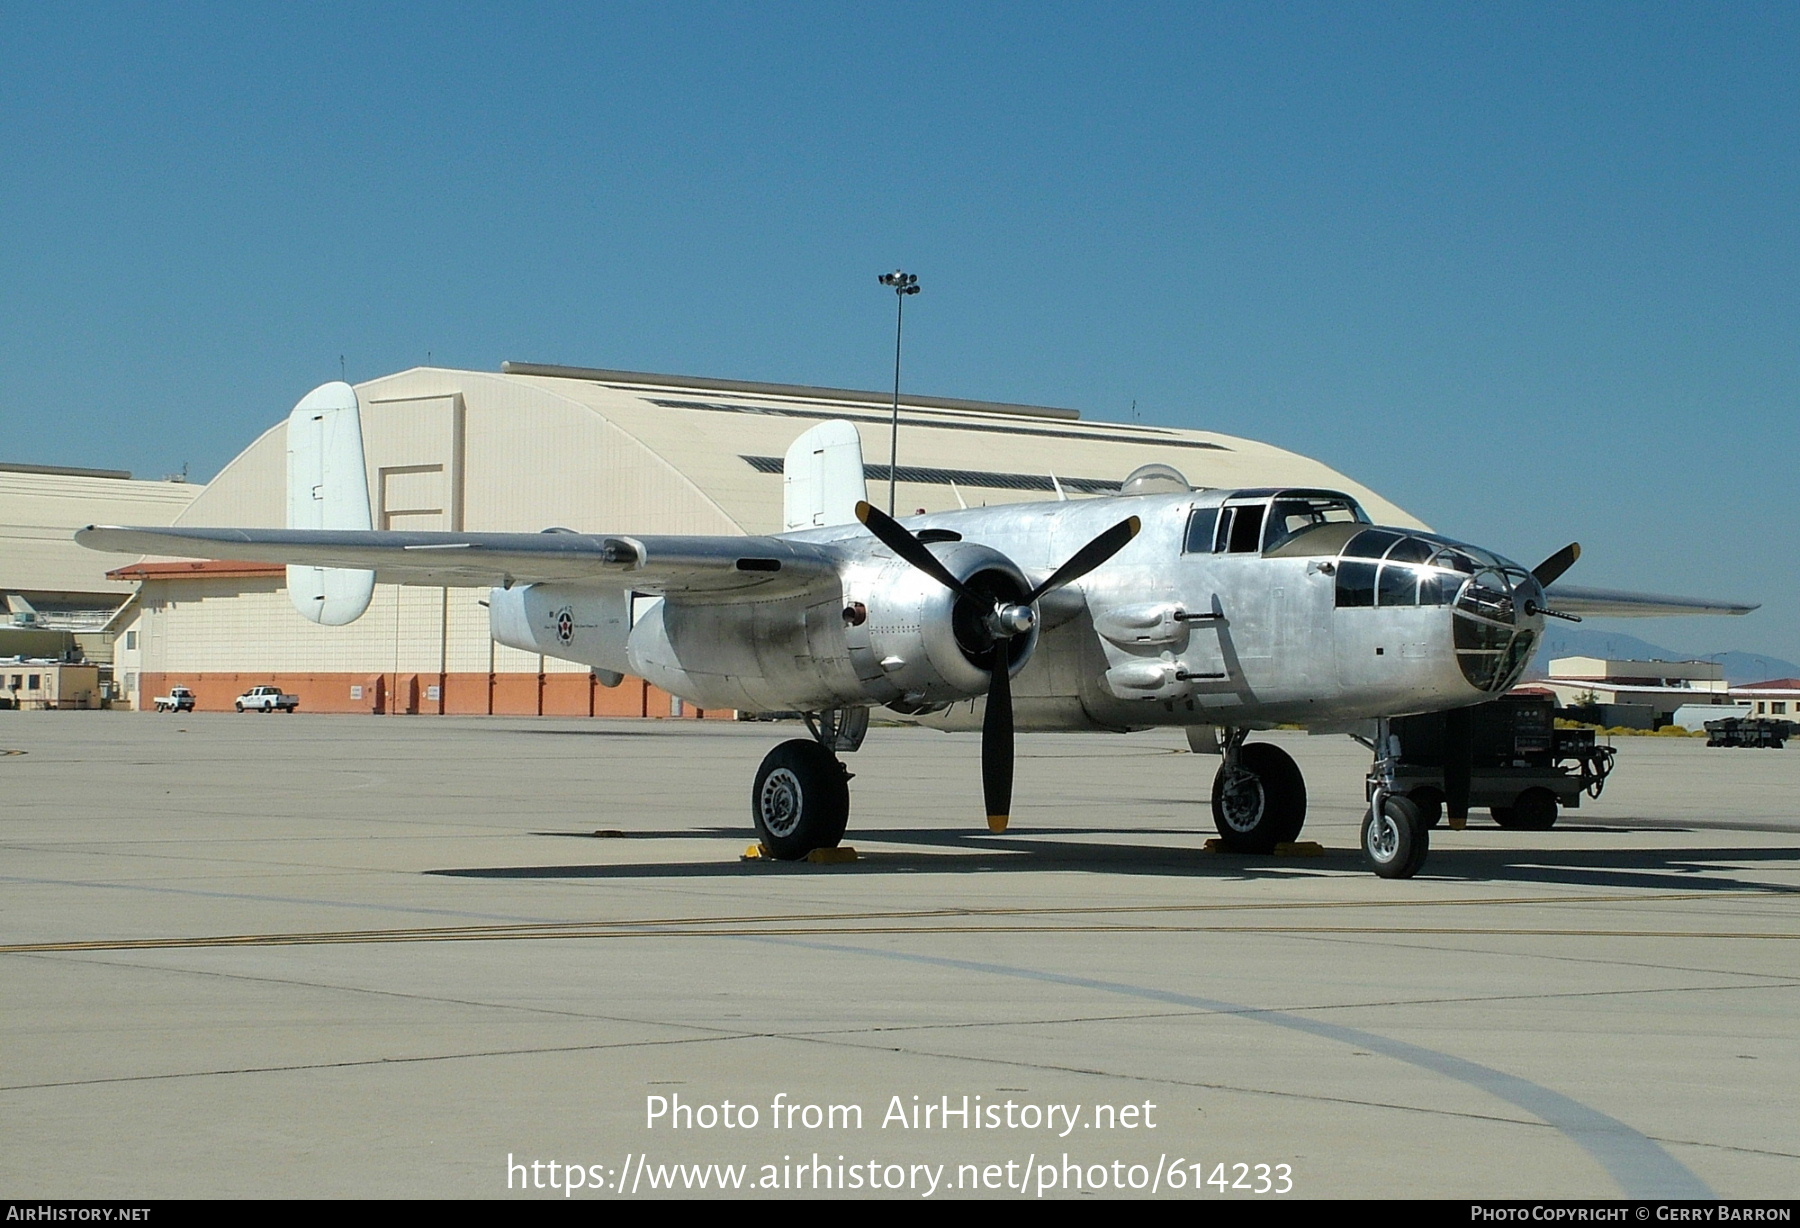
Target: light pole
(903,284)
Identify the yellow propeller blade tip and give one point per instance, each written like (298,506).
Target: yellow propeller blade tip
(997,822)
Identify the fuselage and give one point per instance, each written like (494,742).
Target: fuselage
(1247,608)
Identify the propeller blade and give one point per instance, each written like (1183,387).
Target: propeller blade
(1090,556)
(1551,569)
(895,537)
(997,744)
(997,723)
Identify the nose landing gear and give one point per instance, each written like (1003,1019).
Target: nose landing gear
(1395,836)
(1395,841)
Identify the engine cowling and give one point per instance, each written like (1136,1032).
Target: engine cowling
(917,645)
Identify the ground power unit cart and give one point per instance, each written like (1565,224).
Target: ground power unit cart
(1520,766)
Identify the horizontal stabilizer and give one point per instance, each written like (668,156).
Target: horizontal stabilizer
(1617,603)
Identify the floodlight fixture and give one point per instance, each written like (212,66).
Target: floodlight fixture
(903,284)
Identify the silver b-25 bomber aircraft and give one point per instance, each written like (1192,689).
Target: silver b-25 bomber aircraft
(1224,611)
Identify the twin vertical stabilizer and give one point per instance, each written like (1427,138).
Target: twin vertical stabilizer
(822,477)
(328,488)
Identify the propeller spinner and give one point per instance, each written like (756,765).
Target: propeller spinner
(1003,621)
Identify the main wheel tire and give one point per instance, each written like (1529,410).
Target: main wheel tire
(1396,843)
(1532,810)
(801,800)
(1263,804)
(1429,803)
(240,707)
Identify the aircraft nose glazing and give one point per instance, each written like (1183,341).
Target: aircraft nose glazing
(1495,605)
(1498,615)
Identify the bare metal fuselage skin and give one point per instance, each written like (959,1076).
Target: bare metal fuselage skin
(1162,634)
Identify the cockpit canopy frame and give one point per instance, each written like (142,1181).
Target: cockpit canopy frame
(1268,521)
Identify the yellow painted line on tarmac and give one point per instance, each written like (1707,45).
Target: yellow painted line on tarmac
(330,939)
(654,924)
(838,924)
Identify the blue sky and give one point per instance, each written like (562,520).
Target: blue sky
(1532,271)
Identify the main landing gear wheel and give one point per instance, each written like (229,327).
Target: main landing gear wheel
(801,801)
(1397,841)
(1532,810)
(1260,803)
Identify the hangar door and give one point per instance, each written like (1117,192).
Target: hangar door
(415,457)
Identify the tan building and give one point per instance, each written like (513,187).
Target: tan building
(1778,697)
(1660,686)
(56,600)
(26,684)
(532,447)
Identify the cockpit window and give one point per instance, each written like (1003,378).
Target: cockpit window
(1246,529)
(1370,544)
(1200,531)
(1399,585)
(1291,514)
(1269,523)
(1418,570)
(1454,560)
(1355,583)
(1411,550)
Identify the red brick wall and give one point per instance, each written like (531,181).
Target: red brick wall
(459,694)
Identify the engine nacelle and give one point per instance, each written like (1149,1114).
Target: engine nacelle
(915,644)
(572,621)
(894,636)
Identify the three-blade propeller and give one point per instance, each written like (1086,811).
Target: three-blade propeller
(1003,621)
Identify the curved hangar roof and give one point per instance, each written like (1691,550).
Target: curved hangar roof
(41,506)
(626,452)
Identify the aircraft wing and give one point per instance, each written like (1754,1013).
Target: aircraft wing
(1617,603)
(763,566)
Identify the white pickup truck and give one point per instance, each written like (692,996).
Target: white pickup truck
(179,699)
(267,699)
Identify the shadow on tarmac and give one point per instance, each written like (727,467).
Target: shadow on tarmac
(1051,851)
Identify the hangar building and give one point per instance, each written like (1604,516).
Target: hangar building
(56,601)
(533,447)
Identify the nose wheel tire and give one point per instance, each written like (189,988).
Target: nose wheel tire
(801,800)
(1396,841)
(1260,803)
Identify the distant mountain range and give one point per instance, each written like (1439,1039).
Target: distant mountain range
(1740,667)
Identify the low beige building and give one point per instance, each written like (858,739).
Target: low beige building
(1777,697)
(56,599)
(1660,686)
(27,684)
